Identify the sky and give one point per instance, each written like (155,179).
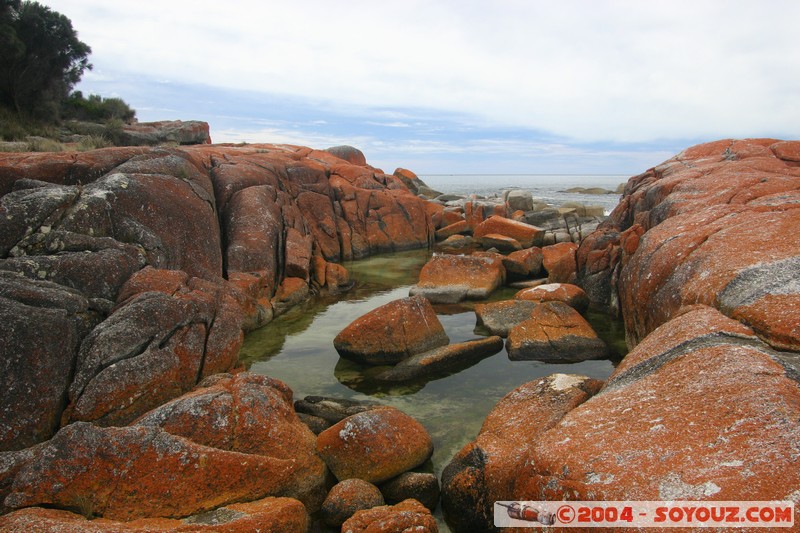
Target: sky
(456,86)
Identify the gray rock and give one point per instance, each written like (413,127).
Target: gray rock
(520,200)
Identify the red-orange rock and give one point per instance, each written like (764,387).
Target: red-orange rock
(559,262)
(456,228)
(451,216)
(346,498)
(523,233)
(500,242)
(571,295)
(136,472)
(408,515)
(555,332)
(708,414)
(252,414)
(268,514)
(530,259)
(392,332)
(485,470)
(452,278)
(374,445)
(350,154)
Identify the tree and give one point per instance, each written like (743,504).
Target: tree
(42,58)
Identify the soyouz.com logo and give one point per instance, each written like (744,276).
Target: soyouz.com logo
(586,514)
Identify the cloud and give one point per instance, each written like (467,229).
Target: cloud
(577,71)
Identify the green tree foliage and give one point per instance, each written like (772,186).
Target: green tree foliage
(41,58)
(95,108)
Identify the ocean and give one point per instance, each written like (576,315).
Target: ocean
(549,188)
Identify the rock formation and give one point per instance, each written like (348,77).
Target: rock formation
(701,260)
(128,274)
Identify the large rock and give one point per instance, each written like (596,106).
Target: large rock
(500,317)
(441,361)
(452,278)
(346,498)
(709,225)
(136,472)
(374,445)
(251,414)
(486,470)
(165,131)
(269,218)
(153,348)
(559,262)
(571,295)
(523,233)
(708,413)
(392,332)
(269,514)
(555,333)
(42,326)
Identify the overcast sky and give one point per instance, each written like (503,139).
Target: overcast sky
(455,86)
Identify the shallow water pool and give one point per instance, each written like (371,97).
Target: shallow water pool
(297,348)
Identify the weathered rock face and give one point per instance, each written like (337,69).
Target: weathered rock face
(452,278)
(555,332)
(408,515)
(392,332)
(347,497)
(500,317)
(252,414)
(217,239)
(165,131)
(707,412)
(571,295)
(559,262)
(711,225)
(485,470)
(269,514)
(374,445)
(135,472)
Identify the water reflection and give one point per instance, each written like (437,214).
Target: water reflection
(297,348)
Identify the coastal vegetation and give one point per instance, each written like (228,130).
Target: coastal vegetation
(42,61)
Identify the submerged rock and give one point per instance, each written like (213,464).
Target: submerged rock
(447,359)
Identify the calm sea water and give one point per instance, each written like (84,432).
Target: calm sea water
(546,187)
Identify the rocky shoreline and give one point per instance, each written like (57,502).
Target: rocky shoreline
(128,277)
